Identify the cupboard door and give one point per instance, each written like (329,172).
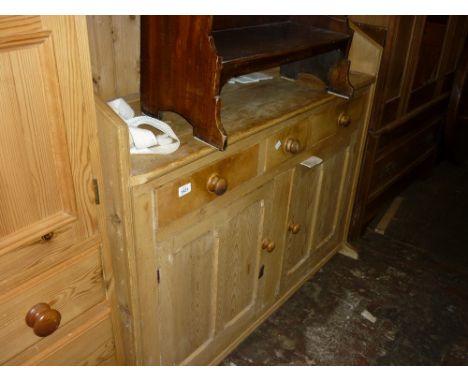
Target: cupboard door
(44,186)
(335,187)
(209,281)
(300,222)
(187,294)
(276,212)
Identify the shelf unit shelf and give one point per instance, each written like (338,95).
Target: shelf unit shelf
(186,61)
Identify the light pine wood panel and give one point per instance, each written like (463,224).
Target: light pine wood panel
(94,347)
(276,211)
(187,295)
(205,298)
(13,25)
(305,195)
(239,252)
(79,114)
(113,143)
(115,55)
(39,193)
(28,261)
(87,340)
(71,288)
(335,169)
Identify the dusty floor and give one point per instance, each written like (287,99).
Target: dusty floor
(413,279)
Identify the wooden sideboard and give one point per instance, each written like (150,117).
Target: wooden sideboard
(55,264)
(412,93)
(197,272)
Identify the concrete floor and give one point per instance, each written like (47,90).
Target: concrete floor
(413,280)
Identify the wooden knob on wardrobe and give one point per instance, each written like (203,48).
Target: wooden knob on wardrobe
(217,184)
(344,120)
(268,245)
(48,236)
(294,228)
(292,146)
(43,319)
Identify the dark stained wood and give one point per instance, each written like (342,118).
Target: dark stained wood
(221,22)
(43,319)
(409,107)
(180,73)
(245,50)
(186,60)
(435,28)
(457,114)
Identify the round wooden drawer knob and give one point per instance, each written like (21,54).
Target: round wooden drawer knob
(47,236)
(217,184)
(344,120)
(268,245)
(292,146)
(43,319)
(294,228)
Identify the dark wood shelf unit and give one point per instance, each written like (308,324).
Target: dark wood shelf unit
(244,50)
(186,60)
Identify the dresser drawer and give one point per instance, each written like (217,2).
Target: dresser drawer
(37,256)
(301,133)
(193,191)
(87,340)
(70,288)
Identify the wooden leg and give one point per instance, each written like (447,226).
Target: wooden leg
(349,251)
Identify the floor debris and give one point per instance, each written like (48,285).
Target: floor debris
(368,316)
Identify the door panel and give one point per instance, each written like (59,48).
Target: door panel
(239,252)
(335,170)
(208,280)
(187,293)
(305,194)
(37,191)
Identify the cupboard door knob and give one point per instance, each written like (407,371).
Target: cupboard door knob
(217,184)
(344,120)
(43,319)
(47,236)
(294,228)
(268,245)
(292,146)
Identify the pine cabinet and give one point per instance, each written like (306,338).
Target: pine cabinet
(210,243)
(54,263)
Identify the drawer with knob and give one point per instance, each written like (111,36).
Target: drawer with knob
(44,305)
(195,190)
(43,251)
(301,133)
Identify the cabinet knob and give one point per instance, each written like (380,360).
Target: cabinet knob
(47,236)
(344,120)
(43,319)
(292,146)
(294,228)
(268,245)
(217,184)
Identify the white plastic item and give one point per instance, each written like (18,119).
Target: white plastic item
(143,141)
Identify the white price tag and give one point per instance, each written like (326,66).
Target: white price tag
(312,161)
(185,189)
(278,145)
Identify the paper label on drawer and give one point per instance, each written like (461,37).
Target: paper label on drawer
(185,189)
(312,161)
(278,145)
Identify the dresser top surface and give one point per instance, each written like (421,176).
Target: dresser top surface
(246,109)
